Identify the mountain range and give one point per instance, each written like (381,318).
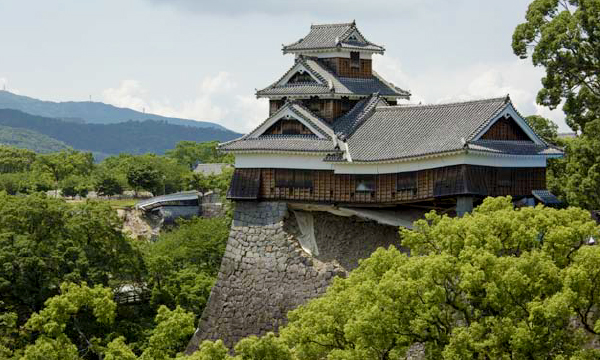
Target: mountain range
(87,111)
(99,128)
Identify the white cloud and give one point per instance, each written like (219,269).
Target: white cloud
(217,100)
(517,78)
(391,69)
(220,83)
(241,112)
(129,94)
(251,111)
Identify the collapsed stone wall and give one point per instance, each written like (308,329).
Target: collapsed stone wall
(265,272)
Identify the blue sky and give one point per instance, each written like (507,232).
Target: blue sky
(204,59)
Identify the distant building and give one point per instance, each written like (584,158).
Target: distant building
(569,135)
(211,169)
(173,206)
(336,135)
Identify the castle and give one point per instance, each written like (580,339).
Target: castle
(339,143)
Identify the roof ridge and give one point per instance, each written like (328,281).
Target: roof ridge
(390,84)
(295,136)
(302,61)
(504,141)
(456,103)
(332,25)
(296,102)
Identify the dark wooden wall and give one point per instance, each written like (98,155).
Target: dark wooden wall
(343,68)
(288,127)
(327,109)
(505,129)
(274,105)
(327,187)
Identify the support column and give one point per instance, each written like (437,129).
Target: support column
(464,204)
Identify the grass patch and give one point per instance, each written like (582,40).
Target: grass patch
(122,203)
(114,203)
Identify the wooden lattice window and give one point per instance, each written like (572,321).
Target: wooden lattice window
(504,177)
(448,181)
(287,178)
(366,183)
(355,59)
(406,181)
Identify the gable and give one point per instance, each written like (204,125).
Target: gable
(355,37)
(288,127)
(301,77)
(298,74)
(298,121)
(505,128)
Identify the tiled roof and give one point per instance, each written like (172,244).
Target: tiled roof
(396,132)
(546,197)
(374,132)
(331,83)
(330,36)
(183,197)
(346,125)
(513,147)
(211,169)
(302,143)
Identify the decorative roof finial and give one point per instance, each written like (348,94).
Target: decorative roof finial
(354,22)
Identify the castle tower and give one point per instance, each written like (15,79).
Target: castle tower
(337,166)
(332,71)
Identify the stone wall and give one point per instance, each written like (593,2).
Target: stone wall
(265,273)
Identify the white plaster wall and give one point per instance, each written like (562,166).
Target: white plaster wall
(316,162)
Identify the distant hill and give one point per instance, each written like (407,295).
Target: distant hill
(134,137)
(87,111)
(27,139)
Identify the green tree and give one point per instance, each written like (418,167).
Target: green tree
(562,36)
(65,163)
(13,183)
(183,263)
(74,185)
(144,176)
(9,334)
(190,153)
(544,128)
(107,184)
(580,180)
(211,182)
(44,242)
(157,174)
(170,335)
(63,326)
(78,324)
(14,160)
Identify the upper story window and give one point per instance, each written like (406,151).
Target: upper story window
(504,177)
(288,178)
(406,181)
(352,38)
(365,183)
(354,59)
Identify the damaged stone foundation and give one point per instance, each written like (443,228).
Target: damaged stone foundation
(278,258)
